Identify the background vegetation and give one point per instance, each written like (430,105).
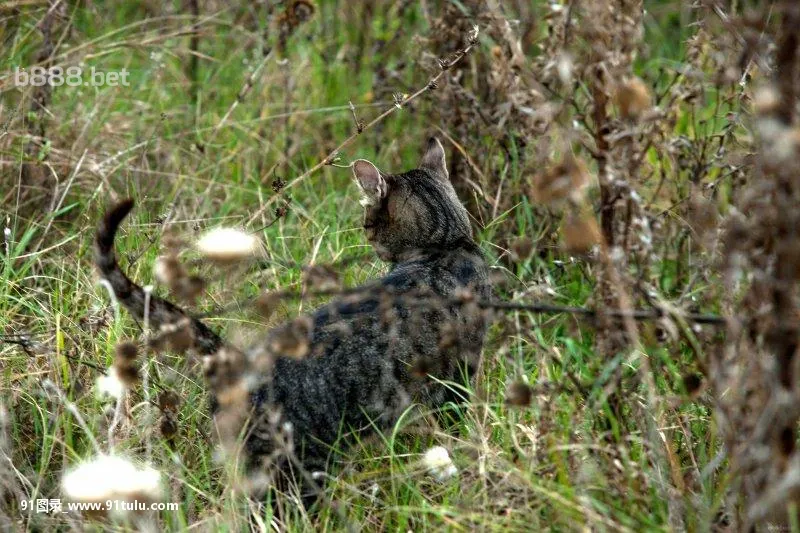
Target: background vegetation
(614,155)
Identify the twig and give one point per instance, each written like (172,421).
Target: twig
(359,123)
(445,64)
(194,46)
(635,314)
(425,297)
(242,94)
(27,345)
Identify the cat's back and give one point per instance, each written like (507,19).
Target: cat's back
(444,272)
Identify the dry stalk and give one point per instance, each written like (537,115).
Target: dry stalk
(331,158)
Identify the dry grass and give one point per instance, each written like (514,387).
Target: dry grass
(631,177)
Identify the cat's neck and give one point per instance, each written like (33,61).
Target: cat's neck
(461,245)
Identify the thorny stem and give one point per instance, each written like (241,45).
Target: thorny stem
(772,485)
(533,307)
(427,298)
(445,65)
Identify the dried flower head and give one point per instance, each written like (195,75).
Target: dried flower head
(498,278)
(126,351)
(110,477)
(172,244)
(176,337)
(278,184)
(567,179)
(702,215)
(233,401)
(125,365)
(301,10)
(168,427)
(168,270)
(438,463)
(224,368)
(267,303)
(633,99)
(293,339)
(580,233)
(693,383)
(295,13)
(521,248)
(766,100)
(189,289)
(225,245)
(321,278)
(169,401)
(519,394)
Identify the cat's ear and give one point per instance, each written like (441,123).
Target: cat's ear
(433,158)
(373,186)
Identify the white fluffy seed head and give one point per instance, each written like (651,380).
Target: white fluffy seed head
(766,100)
(564,67)
(110,384)
(227,244)
(110,477)
(438,463)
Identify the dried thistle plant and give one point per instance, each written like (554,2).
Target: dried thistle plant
(754,373)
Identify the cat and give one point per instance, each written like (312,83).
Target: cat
(370,355)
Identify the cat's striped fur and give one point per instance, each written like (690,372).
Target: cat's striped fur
(371,355)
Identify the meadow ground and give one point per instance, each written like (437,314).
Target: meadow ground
(602,148)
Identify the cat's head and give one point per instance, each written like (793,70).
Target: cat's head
(416,211)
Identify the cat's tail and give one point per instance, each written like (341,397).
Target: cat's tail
(132,296)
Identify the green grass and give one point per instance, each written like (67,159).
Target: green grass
(564,463)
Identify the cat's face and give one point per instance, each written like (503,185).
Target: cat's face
(414,211)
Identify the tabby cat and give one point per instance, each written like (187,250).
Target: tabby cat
(371,355)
